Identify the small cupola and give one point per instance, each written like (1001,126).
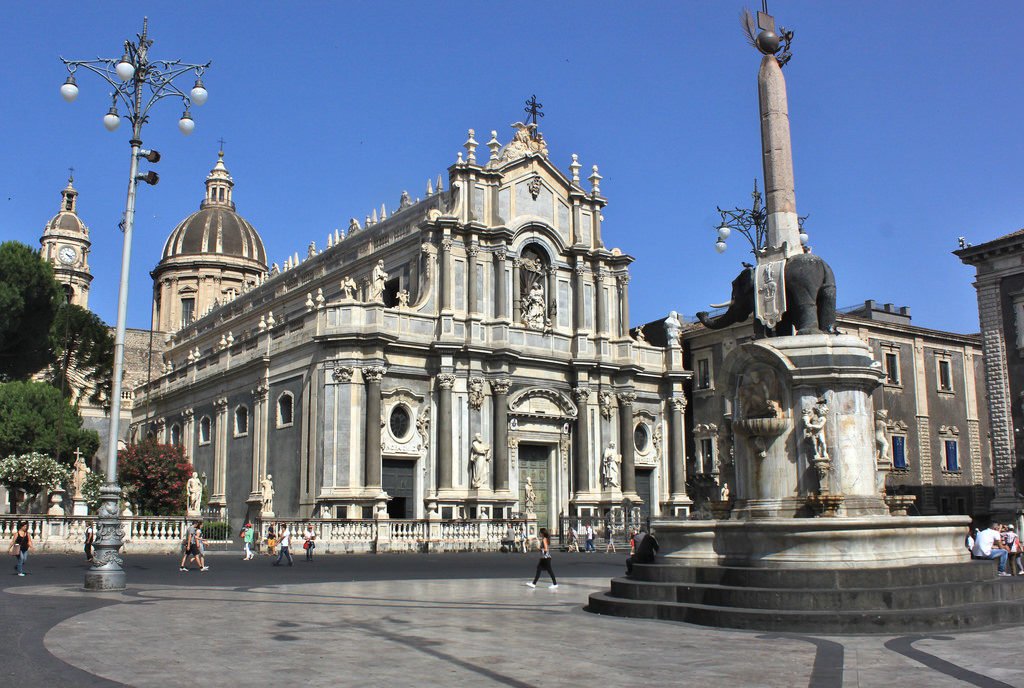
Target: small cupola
(218,186)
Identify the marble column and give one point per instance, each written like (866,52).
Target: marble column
(188,432)
(258,431)
(779,186)
(517,293)
(445,382)
(500,389)
(626,400)
(676,444)
(551,307)
(371,452)
(581,461)
(579,321)
(220,449)
(471,277)
(445,278)
(624,304)
(601,324)
(500,300)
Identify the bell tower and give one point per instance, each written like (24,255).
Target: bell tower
(65,244)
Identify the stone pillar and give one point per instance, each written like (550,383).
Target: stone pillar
(551,307)
(517,293)
(676,446)
(997,386)
(258,432)
(445,382)
(578,313)
(500,389)
(601,323)
(624,303)
(626,400)
(500,308)
(581,461)
(471,277)
(371,451)
(188,432)
(220,449)
(445,278)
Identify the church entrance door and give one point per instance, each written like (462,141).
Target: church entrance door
(533,463)
(643,488)
(398,479)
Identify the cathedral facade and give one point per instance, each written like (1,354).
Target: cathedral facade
(468,354)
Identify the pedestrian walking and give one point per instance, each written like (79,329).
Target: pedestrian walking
(588,532)
(188,546)
(284,541)
(21,543)
(1012,543)
(574,540)
(201,547)
(247,536)
(545,560)
(90,538)
(309,541)
(609,538)
(271,540)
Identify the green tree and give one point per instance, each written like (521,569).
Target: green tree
(29,298)
(33,473)
(34,416)
(91,489)
(154,477)
(82,344)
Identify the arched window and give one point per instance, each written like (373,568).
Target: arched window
(175,434)
(241,421)
(204,430)
(285,409)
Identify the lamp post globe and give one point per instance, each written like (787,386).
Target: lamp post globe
(199,94)
(111,120)
(69,90)
(724,231)
(125,69)
(186,124)
(720,246)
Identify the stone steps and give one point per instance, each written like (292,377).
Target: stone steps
(948,597)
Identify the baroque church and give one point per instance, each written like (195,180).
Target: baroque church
(468,354)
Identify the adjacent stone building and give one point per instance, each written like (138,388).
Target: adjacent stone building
(467,354)
(936,425)
(999,266)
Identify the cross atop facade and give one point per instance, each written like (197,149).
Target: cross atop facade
(221,141)
(533,109)
(71,174)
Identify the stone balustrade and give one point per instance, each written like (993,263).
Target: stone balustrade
(163,534)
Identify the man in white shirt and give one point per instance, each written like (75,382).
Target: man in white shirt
(284,543)
(988,545)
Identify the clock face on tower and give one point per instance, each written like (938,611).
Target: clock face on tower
(67,255)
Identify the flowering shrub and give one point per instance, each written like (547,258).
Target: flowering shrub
(91,489)
(33,473)
(153,476)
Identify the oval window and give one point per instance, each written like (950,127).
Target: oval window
(641,438)
(400,422)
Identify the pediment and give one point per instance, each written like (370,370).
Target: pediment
(541,402)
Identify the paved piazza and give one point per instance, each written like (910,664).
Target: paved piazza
(414,620)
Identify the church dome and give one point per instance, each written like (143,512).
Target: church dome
(216,229)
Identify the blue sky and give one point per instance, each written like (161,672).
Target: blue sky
(905,119)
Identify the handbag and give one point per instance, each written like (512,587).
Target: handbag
(306,544)
(16,549)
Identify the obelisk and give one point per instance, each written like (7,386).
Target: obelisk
(777,153)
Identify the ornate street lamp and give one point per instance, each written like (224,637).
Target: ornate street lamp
(138,83)
(752,224)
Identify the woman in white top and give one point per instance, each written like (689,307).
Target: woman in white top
(309,541)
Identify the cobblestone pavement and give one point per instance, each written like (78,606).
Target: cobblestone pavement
(414,620)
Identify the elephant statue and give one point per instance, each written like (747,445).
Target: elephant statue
(810,300)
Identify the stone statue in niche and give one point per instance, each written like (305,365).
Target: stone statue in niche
(640,336)
(815,418)
(534,310)
(610,466)
(348,288)
(403,298)
(353,225)
(672,327)
(479,462)
(882,436)
(476,392)
(194,492)
(531,496)
(267,495)
(377,280)
(759,394)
